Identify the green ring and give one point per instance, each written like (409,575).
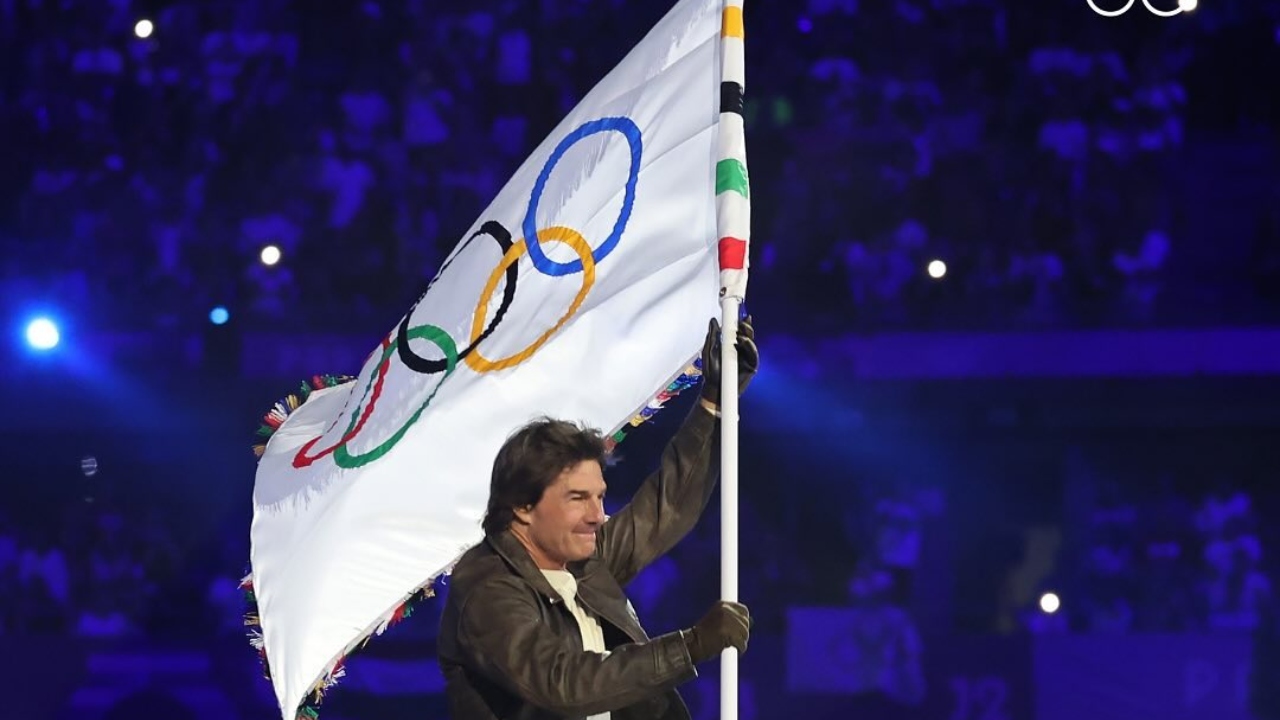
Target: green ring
(440,339)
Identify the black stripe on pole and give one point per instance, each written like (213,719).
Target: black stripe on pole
(730,97)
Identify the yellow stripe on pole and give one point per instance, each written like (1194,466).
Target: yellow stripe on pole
(731,26)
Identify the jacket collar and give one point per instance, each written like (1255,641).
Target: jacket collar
(511,550)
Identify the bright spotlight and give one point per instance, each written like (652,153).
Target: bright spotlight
(937,269)
(1050,603)
(144,28)
(1187,5)
(270,255)
(42,334)
(219,315)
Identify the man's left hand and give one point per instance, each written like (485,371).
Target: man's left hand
(748,359)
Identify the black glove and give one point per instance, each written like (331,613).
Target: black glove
(748,359)
(726,625)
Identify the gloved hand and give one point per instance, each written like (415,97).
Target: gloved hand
(726,625)
(748,359)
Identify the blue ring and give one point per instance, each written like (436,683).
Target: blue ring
(546,265)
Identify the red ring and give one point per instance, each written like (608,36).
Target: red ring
(302,459)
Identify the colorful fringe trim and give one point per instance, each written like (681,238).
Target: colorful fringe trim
(309,709)
(280,412)
(687,378)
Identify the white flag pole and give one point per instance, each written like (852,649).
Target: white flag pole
(733,217)
(729,308)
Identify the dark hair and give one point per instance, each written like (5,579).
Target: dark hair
(530,461)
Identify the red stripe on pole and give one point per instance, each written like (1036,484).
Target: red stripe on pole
(733,253)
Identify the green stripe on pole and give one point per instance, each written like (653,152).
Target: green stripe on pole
(732,175)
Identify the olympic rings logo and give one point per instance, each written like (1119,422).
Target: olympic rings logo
(482,327)
(1183,6)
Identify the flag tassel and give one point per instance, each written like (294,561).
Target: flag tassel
(309,709)
(285,407)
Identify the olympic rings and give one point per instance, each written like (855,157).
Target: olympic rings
(627,127)
(1146,3)
(344,459)
(568,236)
(427,366)
(507,269)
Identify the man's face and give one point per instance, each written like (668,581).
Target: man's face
(562,527)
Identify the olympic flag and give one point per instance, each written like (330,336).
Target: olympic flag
(583,292)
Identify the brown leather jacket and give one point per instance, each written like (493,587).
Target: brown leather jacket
(510,650)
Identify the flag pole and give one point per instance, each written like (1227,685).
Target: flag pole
(729,308)
(733,220)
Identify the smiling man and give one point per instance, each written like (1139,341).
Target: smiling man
(537,625)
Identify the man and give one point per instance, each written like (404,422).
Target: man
(537,625)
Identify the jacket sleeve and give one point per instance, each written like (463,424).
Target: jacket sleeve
(502,634)
(669,502)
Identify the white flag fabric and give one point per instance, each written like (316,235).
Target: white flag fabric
(582,292)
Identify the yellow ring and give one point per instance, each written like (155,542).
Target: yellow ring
(568,236)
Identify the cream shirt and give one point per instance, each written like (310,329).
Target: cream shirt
(566,585)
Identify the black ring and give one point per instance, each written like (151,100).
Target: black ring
(427,366)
